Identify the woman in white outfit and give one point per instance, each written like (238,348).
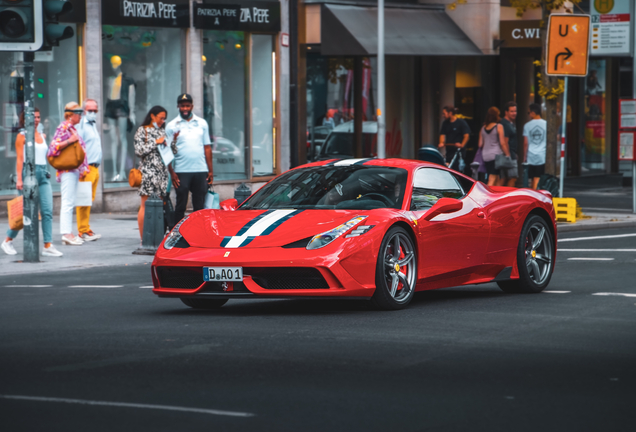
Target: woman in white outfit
(65,135)
(44,186)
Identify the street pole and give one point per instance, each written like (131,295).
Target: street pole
(381,113)
(30,185)
(564,119)
(634,97)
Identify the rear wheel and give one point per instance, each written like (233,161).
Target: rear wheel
(396,271)
(535,258)
(203,303)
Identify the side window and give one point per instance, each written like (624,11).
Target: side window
(430,185)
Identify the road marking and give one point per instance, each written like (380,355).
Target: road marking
(615,294)
(590,259)
(129,405)
(596,250)
(147,286)
(557,292)
(28,286)
(595,237)
(96,286)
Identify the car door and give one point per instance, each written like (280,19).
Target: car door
(453,243)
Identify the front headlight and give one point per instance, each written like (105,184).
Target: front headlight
(322,240)
(174,235)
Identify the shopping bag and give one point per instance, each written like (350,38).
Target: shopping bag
(212,200)
(16,209)
(84,194)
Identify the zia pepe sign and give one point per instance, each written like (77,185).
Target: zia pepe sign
(247,16)
(167,13)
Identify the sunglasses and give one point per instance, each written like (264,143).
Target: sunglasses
(92,111)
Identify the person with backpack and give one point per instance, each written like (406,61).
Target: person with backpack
(534,144)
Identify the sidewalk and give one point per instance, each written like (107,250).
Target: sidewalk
(598,221)
(120,236)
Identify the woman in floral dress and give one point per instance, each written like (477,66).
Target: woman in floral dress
(154,173)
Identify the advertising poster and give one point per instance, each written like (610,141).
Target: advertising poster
(593,154)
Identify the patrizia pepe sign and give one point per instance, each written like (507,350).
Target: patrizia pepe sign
(168,13)
(246,16)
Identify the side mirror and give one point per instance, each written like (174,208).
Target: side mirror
(443,206)
(229,204)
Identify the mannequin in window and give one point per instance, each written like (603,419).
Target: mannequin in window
(120,115)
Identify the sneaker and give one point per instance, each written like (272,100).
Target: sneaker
(90,236)
(75,241)
(51,251)
(7,247)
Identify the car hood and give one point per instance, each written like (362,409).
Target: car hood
(260,228)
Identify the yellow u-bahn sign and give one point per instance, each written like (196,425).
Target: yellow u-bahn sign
(568,45)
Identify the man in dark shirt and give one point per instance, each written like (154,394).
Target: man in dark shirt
(510,133)
(453,135)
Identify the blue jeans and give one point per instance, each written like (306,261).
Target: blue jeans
(46,205)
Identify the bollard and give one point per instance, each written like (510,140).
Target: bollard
(525,175)
(242,193)
(153,227)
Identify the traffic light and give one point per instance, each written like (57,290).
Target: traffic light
(53,31)
(20,28)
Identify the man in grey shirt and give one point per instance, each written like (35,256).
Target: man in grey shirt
(510,133)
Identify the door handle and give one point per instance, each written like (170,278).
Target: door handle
(481,215)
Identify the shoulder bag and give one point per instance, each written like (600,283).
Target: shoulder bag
(70,158)
(501,160)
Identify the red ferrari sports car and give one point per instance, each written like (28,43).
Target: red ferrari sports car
(360,228)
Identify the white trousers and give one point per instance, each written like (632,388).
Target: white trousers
(69,183)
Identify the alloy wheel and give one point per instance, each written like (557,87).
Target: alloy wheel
(538,253)
(399,267)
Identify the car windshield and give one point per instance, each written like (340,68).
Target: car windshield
(333,187)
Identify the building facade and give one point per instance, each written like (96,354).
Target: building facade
(130,56)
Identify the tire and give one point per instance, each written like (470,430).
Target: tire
(535,258)
(395,277)
(196,303)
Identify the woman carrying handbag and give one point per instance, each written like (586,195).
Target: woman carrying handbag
(67,153)
(154,173)
(492,143)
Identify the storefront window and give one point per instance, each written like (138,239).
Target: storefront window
(262,106)
(56,83)
(330,101)
(593,155)
(224,101)
(141,69)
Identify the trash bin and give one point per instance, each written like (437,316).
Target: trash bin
(428,153)
(242,193)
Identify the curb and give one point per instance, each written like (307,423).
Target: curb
(594,226)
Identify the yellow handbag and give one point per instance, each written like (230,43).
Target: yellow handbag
(134,178)
(70,158)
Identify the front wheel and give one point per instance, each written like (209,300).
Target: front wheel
(535,258)
(196,303)
(396,271)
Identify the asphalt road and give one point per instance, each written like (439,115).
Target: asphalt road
(469,358)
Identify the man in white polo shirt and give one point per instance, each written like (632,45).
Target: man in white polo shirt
(192,171)
(87,129)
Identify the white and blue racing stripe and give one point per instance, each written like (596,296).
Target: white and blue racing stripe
(348,162)
(261,225)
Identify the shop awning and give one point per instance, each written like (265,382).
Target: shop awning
(353,30)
